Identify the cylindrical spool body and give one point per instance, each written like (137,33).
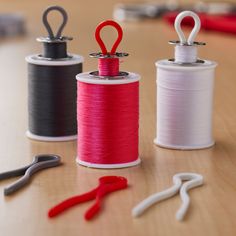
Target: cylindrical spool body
(93,149)
(51,81)
(184,104)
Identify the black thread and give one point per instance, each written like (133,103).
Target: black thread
(52,99)
(55,50)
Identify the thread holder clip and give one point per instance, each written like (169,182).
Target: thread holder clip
(54,45)
(186,49)
(108,62)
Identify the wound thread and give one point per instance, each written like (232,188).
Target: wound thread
(52,100)
(55,50)
(108,66)
(185,54)
(108,118)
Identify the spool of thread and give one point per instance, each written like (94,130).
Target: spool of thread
(108,110)
(52,86)
(185,87)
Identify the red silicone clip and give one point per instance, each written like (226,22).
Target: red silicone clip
(107,184)
(101,43)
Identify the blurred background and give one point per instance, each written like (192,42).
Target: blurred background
(147,26)
(21,24)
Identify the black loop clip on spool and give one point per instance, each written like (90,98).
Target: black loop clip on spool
(52,86)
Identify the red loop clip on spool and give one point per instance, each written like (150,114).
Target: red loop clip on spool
(108,62)
(108,110)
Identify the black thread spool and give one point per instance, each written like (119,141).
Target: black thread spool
(52,86)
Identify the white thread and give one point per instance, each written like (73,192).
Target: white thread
(185,54)
(184,106)
(193,180)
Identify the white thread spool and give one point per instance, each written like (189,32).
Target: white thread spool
(185,94)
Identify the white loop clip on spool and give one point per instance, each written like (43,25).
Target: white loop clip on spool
(185,88)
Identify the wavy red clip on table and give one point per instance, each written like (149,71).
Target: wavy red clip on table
(220,23)
(107,184)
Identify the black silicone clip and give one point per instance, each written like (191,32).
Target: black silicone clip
(40,162)
(54,44)
(48,27)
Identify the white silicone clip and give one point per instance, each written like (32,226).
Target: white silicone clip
(195,30)
(192,180)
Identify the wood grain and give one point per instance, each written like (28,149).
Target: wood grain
(213,208)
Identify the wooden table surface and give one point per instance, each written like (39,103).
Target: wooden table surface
(213,208)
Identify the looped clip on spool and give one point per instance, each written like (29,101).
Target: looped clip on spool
(108,62)
(185,49)
(54,44)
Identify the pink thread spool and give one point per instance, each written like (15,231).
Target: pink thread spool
(108,110)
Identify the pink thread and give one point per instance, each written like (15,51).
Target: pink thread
(108,66)
(107,118)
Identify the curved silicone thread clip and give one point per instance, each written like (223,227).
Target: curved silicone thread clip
(108,62)
(48,27)
(40,162)
(107,184)
(192,180)
(195,30)
(197,25)
(100,41)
